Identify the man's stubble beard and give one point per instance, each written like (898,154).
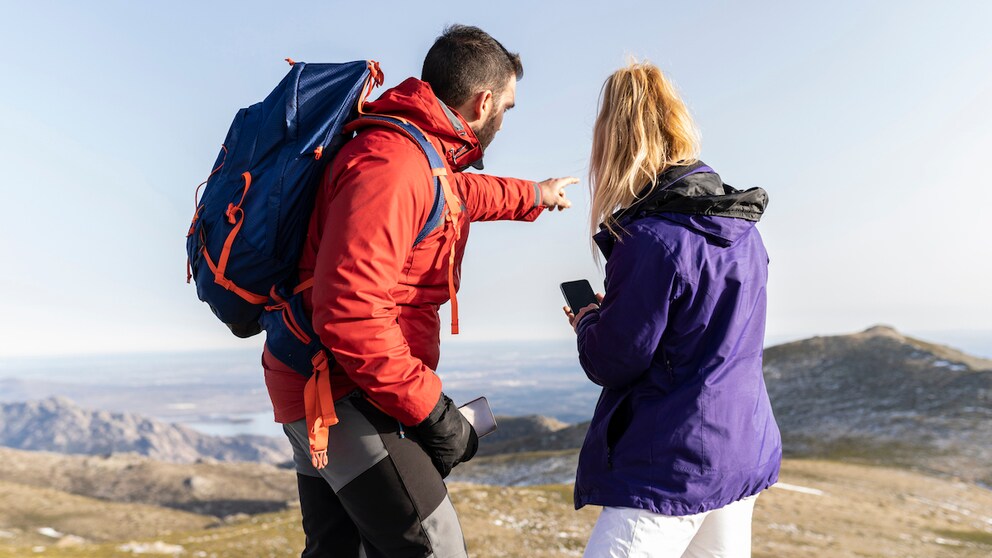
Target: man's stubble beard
(487,132)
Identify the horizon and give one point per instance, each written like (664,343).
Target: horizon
(868,125)
(973,343)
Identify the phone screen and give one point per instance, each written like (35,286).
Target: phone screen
(479,415)
(578,294)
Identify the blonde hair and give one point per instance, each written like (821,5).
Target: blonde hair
(643,128)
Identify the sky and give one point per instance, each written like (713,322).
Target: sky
(868,123)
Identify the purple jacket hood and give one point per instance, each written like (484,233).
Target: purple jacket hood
(692,196)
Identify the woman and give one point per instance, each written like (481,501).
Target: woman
(683,437)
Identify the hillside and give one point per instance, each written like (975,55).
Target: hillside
(875,397)
(531,433)
(820,509)
(881,397)
(58,425)
(206,487)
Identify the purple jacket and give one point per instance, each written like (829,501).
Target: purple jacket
(683,424)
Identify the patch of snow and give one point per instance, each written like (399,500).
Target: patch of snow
(70,540)
(797,488)
(49,532)
(787,527)
(157,547)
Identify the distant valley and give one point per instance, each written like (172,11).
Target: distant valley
(874,397)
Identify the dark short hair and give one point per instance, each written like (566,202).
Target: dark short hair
(465,60)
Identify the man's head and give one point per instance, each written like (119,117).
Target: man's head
(474,74)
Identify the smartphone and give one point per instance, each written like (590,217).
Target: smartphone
(578,295)
(478,413)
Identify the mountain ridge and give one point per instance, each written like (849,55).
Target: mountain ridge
(883,397)
(57,424)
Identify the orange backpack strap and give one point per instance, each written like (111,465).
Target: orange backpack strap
(320,409)
(236,217)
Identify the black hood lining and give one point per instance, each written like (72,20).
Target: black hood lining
(697,190)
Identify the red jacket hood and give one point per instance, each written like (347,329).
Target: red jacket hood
(414,100)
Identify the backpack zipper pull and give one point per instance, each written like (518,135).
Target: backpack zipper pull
(401,432)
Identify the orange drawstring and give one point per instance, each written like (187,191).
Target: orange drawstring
(196,212)
(451,287)
(303,286)
(374,80)
(454,210)
(235,216)
(287,316)
(196,195)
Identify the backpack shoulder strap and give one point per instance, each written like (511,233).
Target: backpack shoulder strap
(433,158)
(438,168)
(443,194)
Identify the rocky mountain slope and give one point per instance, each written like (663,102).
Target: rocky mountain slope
(882,397)
(531,433)
(876,397)
(58,425)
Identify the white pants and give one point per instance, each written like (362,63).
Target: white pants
(633,533)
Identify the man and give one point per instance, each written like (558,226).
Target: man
(375,302)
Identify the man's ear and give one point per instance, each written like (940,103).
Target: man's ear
(482,104)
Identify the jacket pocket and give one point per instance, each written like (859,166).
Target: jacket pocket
(616,426)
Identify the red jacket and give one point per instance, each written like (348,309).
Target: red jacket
(375,296)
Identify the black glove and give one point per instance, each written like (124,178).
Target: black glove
(447,438)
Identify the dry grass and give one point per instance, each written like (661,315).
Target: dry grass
(862,512)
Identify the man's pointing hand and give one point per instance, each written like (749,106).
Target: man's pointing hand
(553,192)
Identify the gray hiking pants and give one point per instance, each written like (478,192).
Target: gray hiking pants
(379,489)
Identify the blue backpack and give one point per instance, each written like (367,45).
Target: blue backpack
(244,243)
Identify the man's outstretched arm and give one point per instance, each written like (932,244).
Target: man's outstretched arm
(494,198)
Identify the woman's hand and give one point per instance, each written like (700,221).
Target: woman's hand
(574,319)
